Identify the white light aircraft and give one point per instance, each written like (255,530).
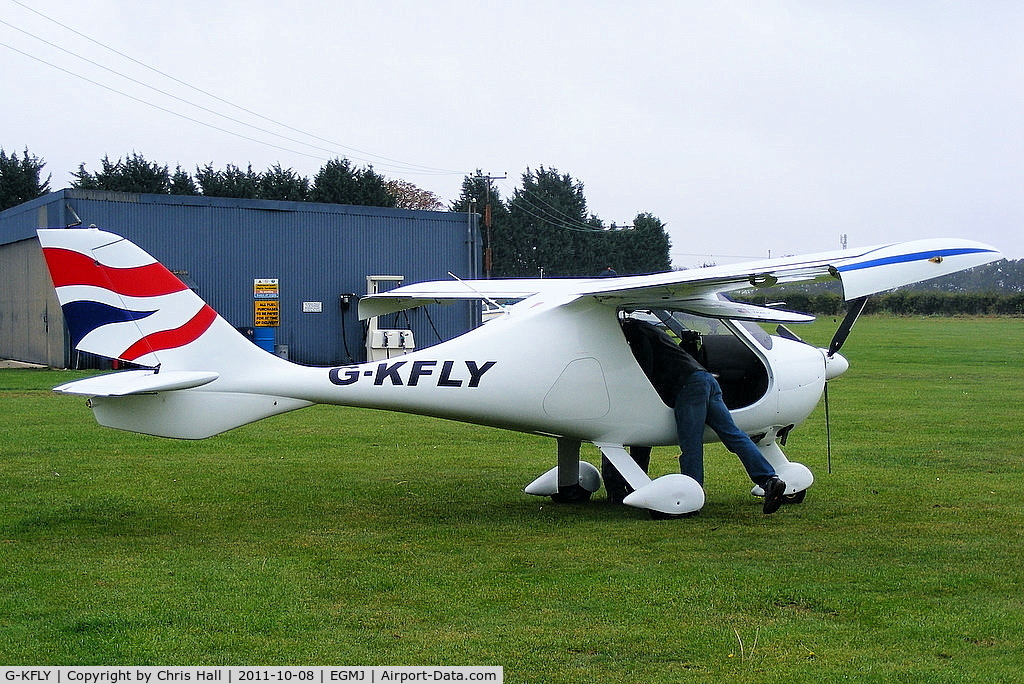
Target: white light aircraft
(553,362)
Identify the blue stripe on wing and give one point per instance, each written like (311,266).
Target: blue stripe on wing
(904,258)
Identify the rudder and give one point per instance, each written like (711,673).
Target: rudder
(120,303)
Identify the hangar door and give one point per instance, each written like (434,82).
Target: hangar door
(31,322)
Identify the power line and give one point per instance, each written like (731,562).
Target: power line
(531,211)
(156,106)
(550,209)
(146,85)
(394,163)
(551,215)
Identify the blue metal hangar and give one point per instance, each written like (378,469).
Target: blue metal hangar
(288,274)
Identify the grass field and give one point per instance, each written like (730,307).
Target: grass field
(355,537)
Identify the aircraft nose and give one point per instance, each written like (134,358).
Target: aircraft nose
(835,365)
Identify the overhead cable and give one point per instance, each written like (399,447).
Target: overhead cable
(397,164)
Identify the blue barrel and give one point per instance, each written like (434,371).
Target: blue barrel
(264,338)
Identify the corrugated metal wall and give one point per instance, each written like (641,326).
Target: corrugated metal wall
(31,323)
(317,251)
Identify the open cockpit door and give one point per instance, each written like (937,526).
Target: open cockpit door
(729,350)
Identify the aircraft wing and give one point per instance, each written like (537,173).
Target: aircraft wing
(447,291)
(862,272)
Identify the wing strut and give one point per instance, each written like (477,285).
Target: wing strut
(856,308)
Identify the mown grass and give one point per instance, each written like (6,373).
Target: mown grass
(354,537)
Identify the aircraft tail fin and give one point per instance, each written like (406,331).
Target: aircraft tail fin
(121,303)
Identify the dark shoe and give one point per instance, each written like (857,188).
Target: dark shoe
(774,489)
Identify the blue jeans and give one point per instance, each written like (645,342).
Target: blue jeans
(699,403)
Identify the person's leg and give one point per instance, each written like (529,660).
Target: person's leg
(691,413)
(735,440)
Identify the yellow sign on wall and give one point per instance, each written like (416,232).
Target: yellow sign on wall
(265,288)
(266,313)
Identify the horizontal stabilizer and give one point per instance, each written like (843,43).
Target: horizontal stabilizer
(188,414)
(136,382)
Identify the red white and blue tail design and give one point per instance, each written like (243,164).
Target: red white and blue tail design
(120,303)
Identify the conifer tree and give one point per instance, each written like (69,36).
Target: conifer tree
(19,179)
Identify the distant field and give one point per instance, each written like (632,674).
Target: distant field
(355,537)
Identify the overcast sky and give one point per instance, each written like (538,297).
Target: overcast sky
(749,128)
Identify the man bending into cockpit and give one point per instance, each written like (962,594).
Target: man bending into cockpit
(696,398)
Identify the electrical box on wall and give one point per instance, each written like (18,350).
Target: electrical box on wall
(385,343)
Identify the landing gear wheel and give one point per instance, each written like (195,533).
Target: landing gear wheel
(571,494)
(795,498)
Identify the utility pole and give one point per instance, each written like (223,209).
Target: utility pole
(487,220)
